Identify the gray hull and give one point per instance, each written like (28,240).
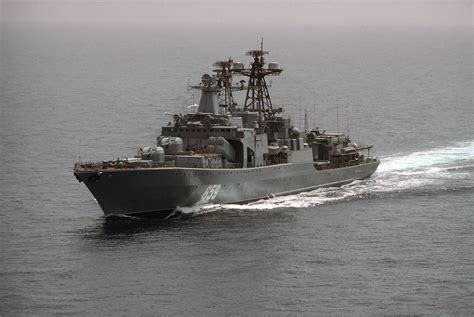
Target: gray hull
(133,191)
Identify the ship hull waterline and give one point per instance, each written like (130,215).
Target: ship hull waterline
(158,191)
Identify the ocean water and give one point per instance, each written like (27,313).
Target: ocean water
(400,242)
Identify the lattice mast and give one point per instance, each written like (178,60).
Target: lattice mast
(258,98)
(218,88)
(224,76)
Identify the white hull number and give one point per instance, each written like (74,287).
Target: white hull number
(210,193)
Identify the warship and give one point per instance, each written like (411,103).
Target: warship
(226,153)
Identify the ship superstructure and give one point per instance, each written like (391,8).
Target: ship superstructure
(225,152)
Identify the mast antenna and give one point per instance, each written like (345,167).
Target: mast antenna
(301,119)
(305,121)
(80,145)
(314,110)
(347,119)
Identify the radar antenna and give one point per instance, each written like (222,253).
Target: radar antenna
(224,77)
(258,98)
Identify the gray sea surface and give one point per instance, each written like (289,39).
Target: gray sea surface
(400,242)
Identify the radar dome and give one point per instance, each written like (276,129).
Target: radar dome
(295,132)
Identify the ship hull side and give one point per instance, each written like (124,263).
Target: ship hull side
(161,190)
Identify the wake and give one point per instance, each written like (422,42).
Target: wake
(441,167)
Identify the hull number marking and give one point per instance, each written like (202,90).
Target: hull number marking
(210,193)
